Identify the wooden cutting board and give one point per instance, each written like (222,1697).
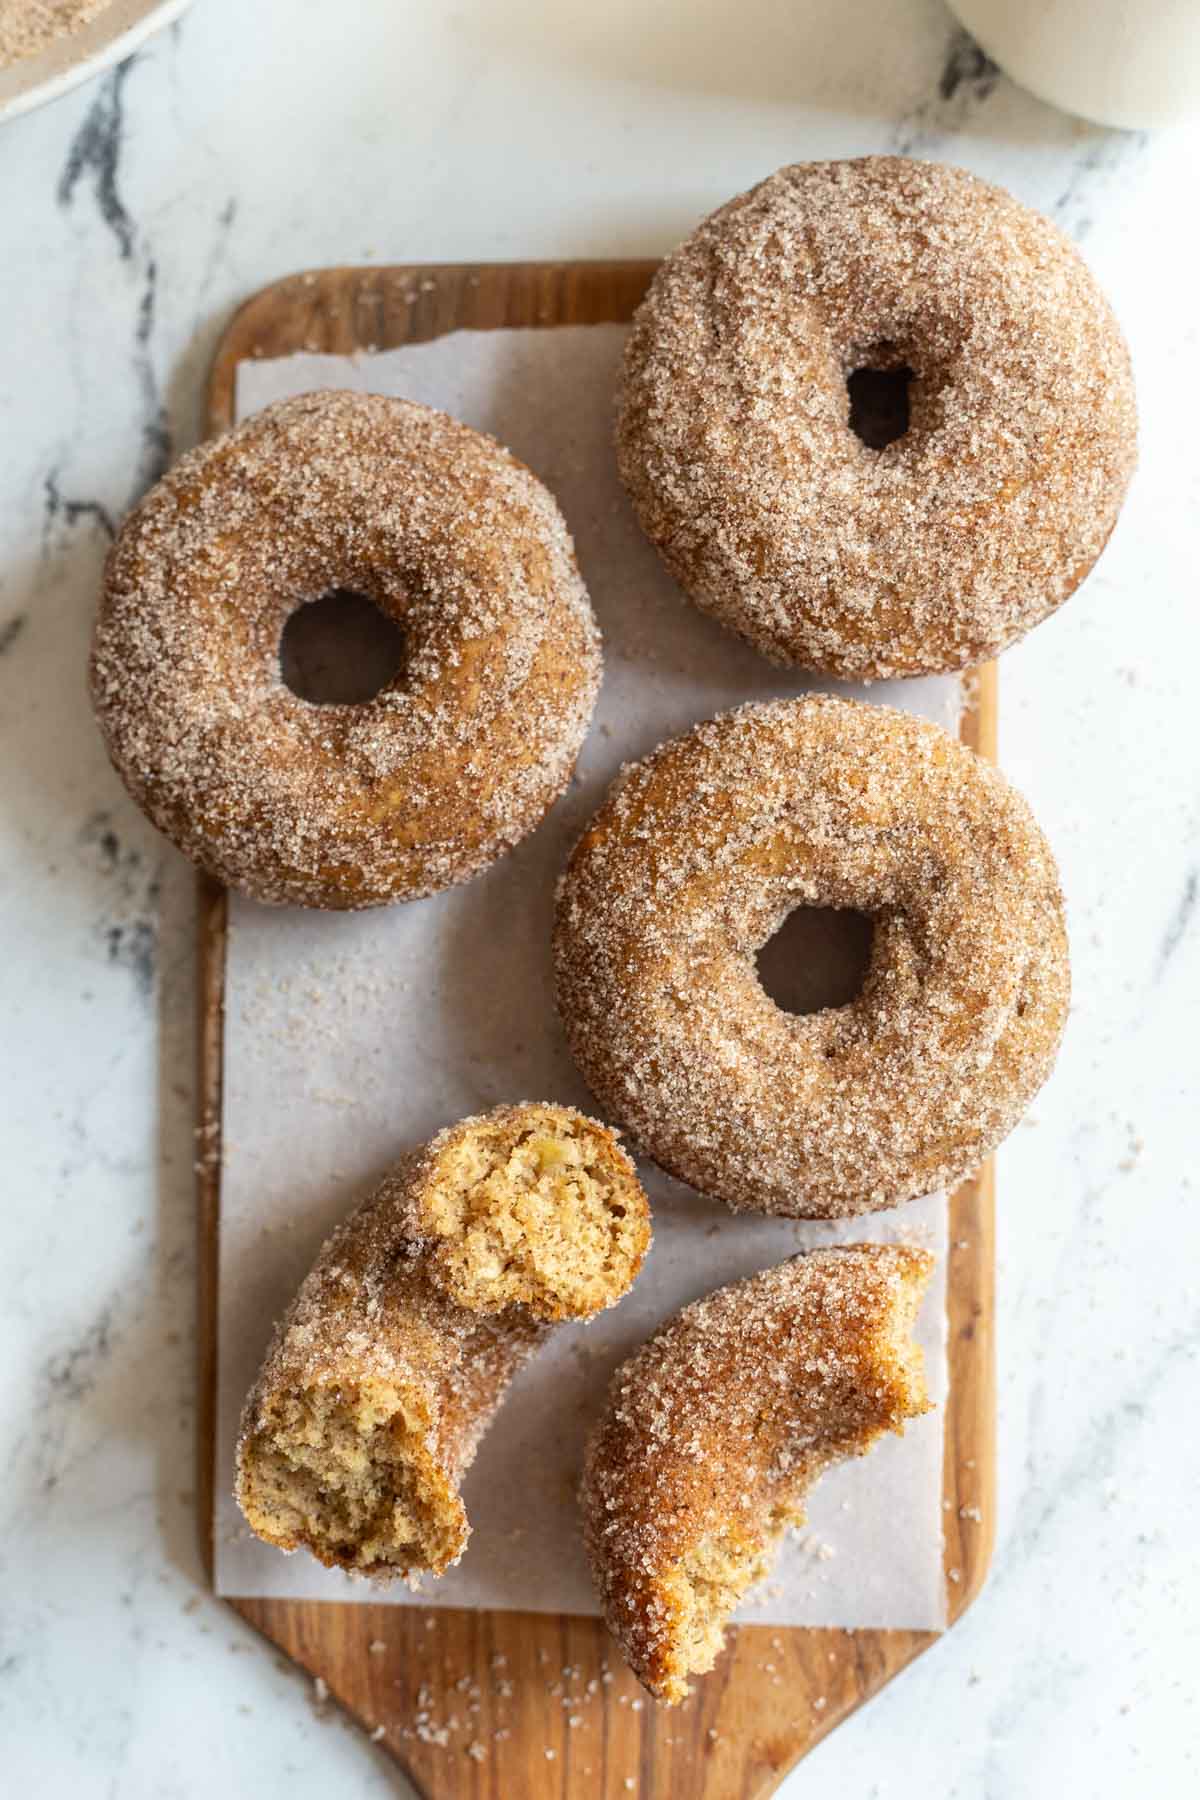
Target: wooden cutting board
(529,1706)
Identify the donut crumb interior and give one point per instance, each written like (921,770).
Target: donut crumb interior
(711,1580)
(545,1217)
(343,1469)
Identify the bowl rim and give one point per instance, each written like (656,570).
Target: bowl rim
(115,33)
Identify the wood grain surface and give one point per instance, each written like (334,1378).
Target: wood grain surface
(530,1706)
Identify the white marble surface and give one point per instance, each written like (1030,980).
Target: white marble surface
(133,215)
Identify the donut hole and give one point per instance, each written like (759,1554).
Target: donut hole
(818,959)
(878,391)
(340,650)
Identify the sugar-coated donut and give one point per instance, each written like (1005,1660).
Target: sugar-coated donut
(345,805)
(716,1429)
(694,860)
(391,1361)
(734,435)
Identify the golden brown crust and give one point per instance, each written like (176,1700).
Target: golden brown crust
(378,1384)
(345,805)
(734,439)
(716,1429)
(690,866)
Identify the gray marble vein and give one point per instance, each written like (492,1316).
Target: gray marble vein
(95,152)
(965,83)
(1181,919)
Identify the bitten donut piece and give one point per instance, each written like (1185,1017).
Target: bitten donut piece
(534,1206)
(735,437)
(716,1429)
(379,1384)
(453,761)
(691,865)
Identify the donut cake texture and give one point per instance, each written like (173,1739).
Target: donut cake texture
(453,761)
(692,863)
(420,1309)
(734,433)
(716,1429)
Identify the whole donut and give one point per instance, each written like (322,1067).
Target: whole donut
(734,436)
(694,860)
(453,761)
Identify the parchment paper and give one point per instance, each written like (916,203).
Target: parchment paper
(349,1037)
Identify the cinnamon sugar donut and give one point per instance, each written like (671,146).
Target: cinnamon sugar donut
(345,805)
(420,1309)
(734,436)
(716,1429)
(694,860)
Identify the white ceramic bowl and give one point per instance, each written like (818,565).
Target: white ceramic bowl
(113,35)
(1134,64)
